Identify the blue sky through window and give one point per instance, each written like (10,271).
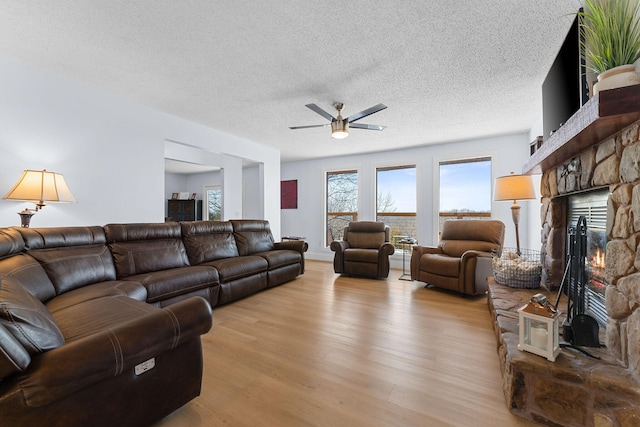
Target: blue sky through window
(465,186)
(401,185)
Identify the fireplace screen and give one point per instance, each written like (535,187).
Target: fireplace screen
(593,207)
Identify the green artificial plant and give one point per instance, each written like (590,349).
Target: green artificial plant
(611,31)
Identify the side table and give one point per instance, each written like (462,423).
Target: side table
(293,238)
(404,242)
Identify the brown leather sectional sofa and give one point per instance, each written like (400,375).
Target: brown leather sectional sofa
(101,325)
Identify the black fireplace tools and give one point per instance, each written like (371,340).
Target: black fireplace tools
(578,329)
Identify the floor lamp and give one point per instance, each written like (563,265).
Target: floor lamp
(514,187)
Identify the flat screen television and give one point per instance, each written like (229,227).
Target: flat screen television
(565,89)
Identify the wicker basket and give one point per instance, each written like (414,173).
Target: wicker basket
(518,271)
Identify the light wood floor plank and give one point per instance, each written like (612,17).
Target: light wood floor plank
(326,350)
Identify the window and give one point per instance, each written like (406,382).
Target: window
(342,202)
(213,200)
(465,189)
(396,200)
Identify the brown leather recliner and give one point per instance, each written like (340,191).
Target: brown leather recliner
(364,250)
(462,260)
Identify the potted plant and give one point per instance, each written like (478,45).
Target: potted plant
(611,31)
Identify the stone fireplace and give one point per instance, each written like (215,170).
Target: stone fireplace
(613,163)
(596,150)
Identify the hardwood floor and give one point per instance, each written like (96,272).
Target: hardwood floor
(326,350)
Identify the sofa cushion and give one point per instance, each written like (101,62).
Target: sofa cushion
(128,288)
(280,258)
(236,268)
(72,268)
(252,236)
(208,241)
(143,248)
(29,273)
(98,315)
(26,270)
(165,284)
(27,318)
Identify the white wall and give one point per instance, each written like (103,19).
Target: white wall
(111,152)
(508,153)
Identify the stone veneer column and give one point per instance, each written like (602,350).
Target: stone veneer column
(614,162)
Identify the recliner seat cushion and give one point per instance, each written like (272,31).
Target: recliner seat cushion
(27,318)
(361,255)
(441,265)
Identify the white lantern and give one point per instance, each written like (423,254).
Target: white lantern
(539,328)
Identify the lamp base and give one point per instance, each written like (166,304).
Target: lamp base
(25,218)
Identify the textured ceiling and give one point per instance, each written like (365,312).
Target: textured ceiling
(447,70)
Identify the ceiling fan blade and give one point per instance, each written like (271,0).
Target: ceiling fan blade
(320,111)
(365,113)
(368,127)
(308,126)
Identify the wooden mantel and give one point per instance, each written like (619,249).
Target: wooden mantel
(603,115)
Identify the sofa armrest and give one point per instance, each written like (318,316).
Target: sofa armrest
(13,356)
(416,253)
(78,364)
(292,245)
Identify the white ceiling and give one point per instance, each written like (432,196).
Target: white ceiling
(447,70)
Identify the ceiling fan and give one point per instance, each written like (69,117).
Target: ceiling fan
(340,126)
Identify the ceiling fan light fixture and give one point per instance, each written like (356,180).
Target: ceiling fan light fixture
(339,129)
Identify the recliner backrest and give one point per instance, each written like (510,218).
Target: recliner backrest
(366,234)
(459,236)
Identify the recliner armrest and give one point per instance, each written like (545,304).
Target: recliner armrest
(386,249)
(478,266)
(416,253)
(339,245)
(78,364)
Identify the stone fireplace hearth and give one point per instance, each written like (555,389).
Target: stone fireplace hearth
(598,148)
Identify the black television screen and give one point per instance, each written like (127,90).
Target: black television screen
(565,88)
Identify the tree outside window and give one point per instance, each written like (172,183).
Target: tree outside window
(214,203)
(342,202)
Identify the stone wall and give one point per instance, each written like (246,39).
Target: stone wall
(612,163)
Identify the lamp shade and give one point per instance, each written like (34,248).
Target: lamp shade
(40,187)
(513,187)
